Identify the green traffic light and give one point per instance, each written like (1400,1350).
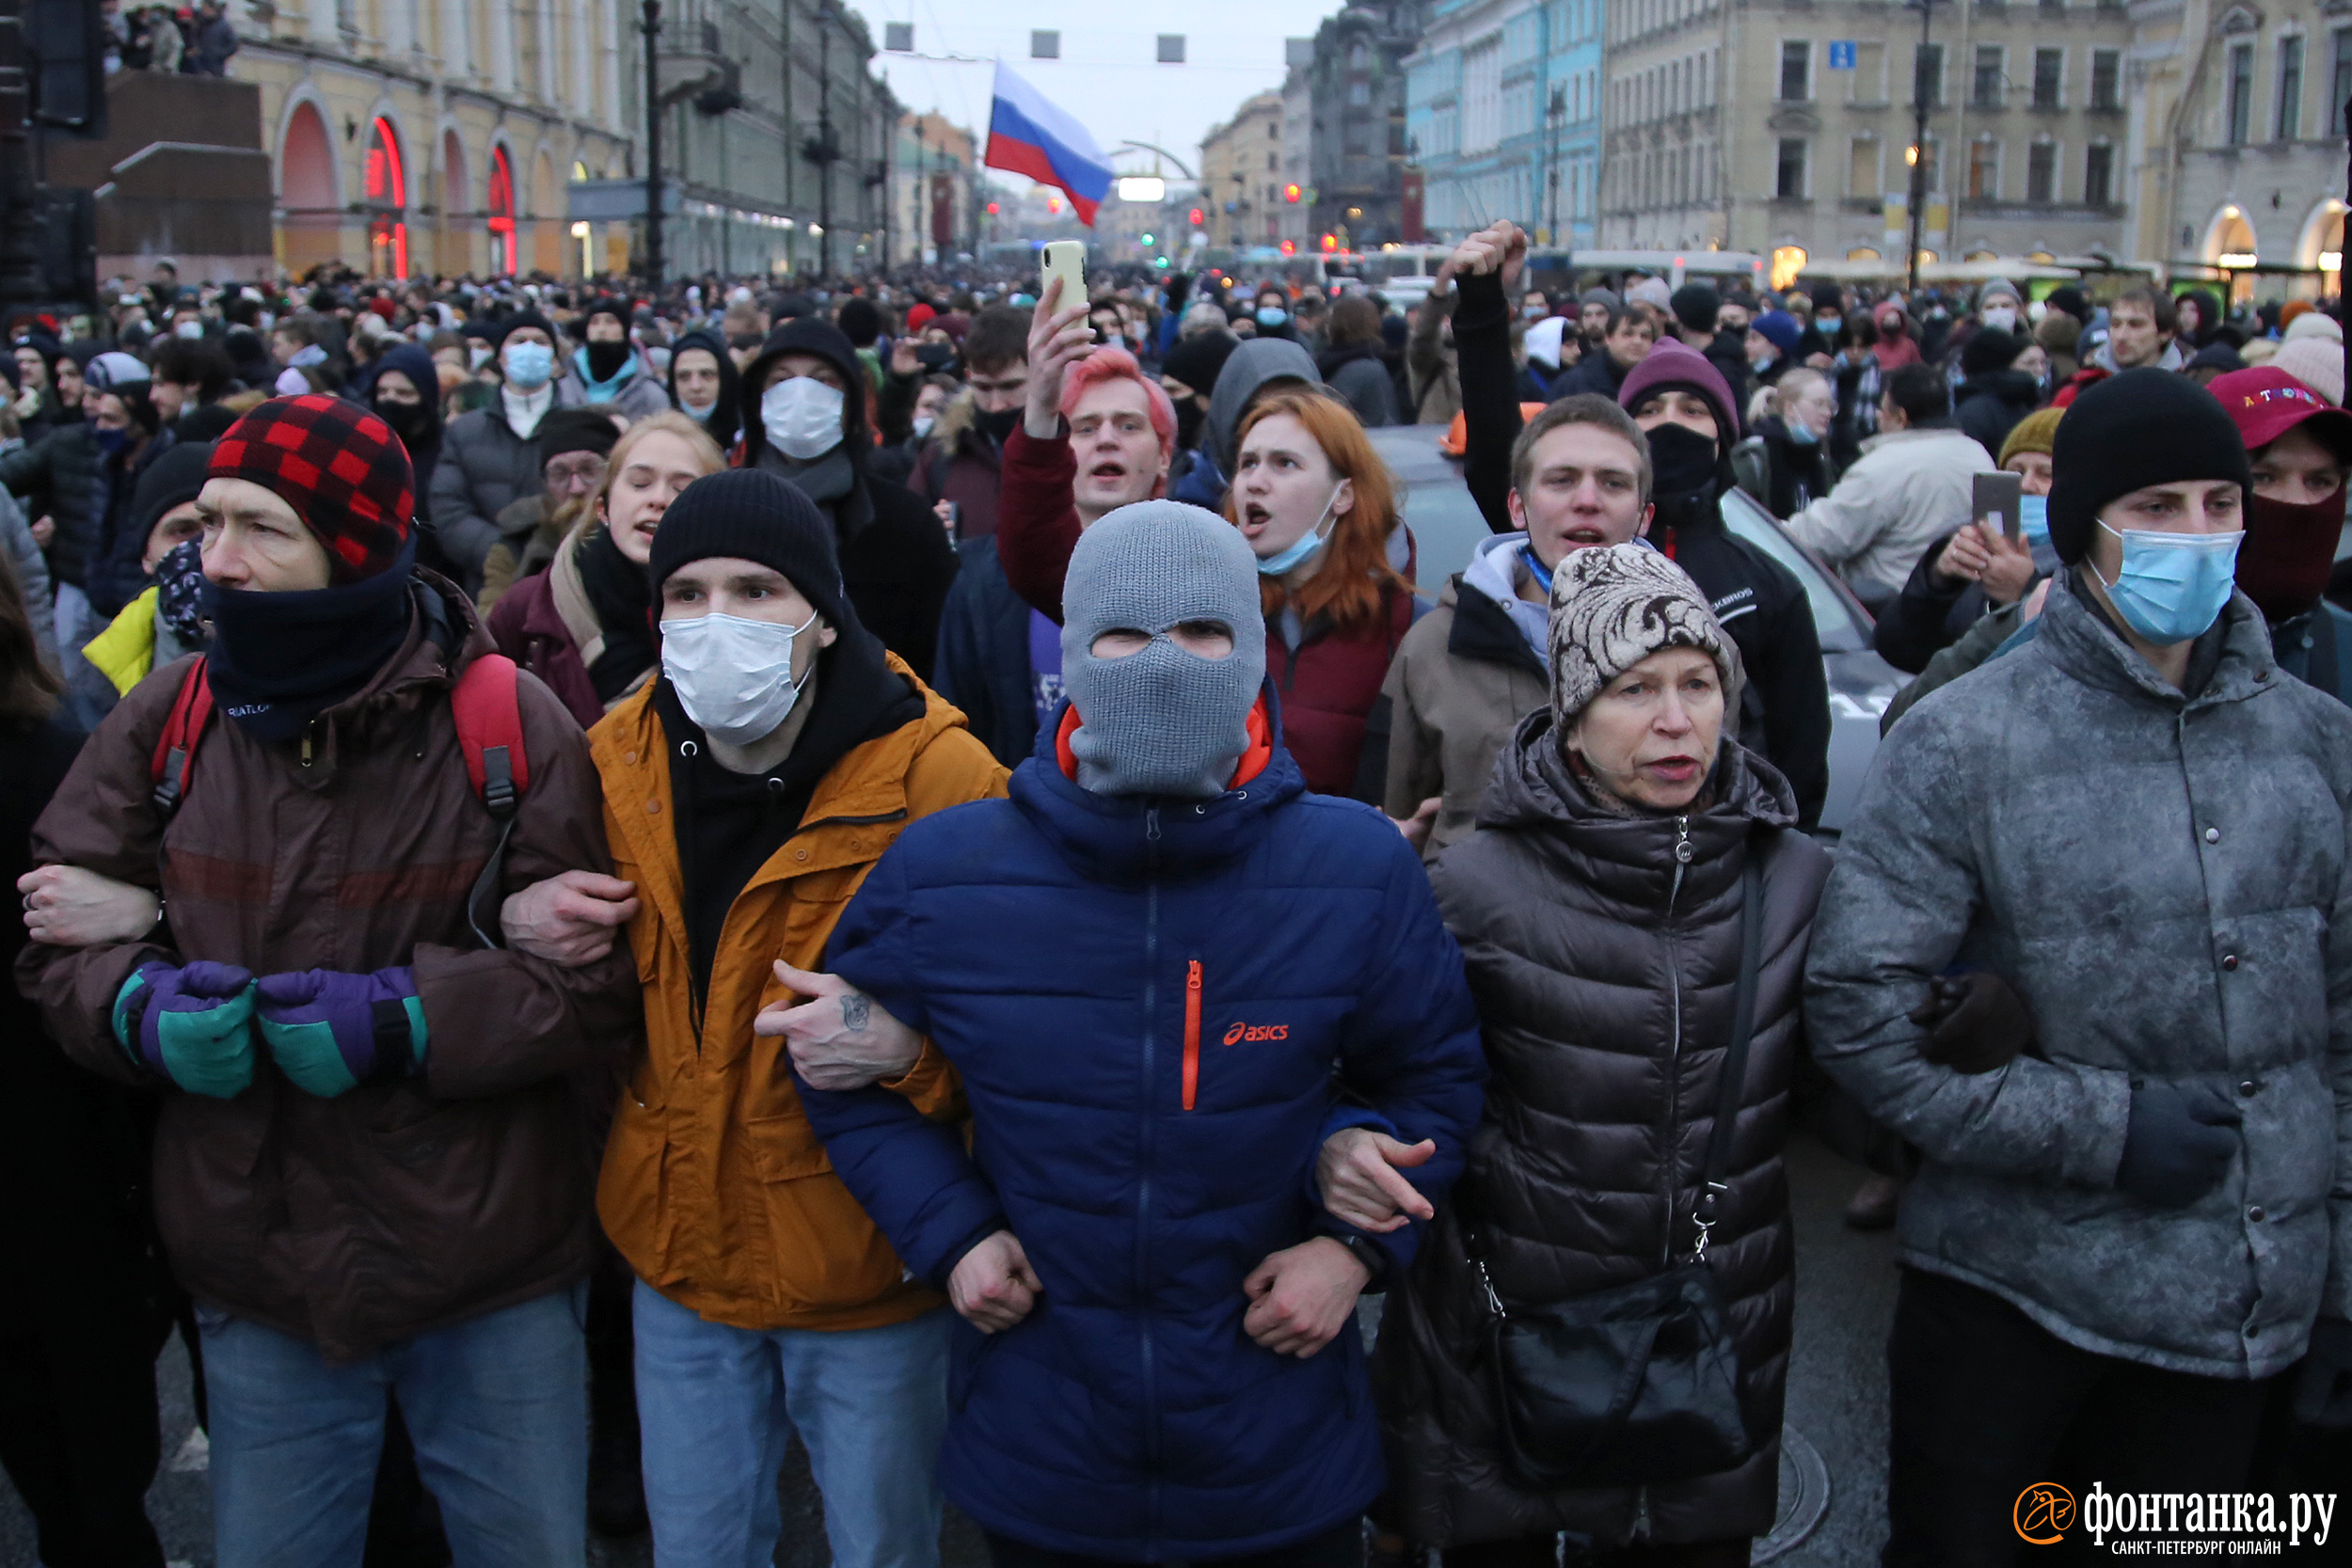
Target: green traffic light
(1147,239)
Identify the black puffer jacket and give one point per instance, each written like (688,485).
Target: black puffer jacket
(57,478)
(1603,969)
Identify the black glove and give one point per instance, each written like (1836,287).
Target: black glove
(2178,1145)
(2323,1393)
(1975,1022)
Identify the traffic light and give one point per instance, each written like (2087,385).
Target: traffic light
(1147,239)
(992,209)
(1290,247)
(1291,192)
(1330,241)
(1195,216)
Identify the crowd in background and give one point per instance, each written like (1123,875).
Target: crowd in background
(912,863)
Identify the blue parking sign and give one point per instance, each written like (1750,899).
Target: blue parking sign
(1841,56)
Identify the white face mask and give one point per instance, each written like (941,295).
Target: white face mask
(733,676)
(923,423)
(802,417)
(2001,318)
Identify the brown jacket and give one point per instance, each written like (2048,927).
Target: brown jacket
(397,1209)
(1463,678)
(715,1188)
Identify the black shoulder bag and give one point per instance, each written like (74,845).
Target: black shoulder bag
(1638,1383)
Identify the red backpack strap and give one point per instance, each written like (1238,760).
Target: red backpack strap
(490,731)
(184,726)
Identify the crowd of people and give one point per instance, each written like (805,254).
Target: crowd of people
(615,877)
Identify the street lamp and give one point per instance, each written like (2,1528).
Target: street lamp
(1922,87)
(1556,112)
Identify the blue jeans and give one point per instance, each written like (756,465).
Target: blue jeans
(498,1408)
(717,1405)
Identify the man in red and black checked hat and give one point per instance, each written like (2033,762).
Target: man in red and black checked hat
(369,1172)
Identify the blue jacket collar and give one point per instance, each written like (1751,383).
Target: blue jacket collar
(1124,838)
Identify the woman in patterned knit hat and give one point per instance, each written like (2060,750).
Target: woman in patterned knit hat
(1601,904)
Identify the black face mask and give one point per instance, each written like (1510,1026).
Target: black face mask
(1190,416)
(279,660)
(1680,459)
(998,425)
(606,359)
(408,420)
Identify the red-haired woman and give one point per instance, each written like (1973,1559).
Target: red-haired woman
(1313,499)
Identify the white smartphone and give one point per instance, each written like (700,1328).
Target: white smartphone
(1067,260)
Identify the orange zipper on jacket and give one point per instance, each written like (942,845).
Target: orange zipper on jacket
(1192,1031)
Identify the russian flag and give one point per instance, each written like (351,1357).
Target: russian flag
(1029,135)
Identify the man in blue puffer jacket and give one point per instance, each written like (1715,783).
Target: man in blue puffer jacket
(1166,974)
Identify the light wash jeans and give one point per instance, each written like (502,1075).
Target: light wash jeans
(498,1408)
(717,1405)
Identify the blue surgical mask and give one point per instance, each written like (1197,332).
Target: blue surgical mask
(2173,586)
(1269,315)
(1298,550)
(2033,519)
(1801,432)
(529,365)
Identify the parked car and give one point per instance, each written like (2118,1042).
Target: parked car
(1447,527)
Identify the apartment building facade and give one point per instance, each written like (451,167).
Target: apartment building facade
(1503,117)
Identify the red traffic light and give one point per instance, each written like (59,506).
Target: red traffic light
(1330,241)
(1290,247)
(992,209)
(1291,192)
(1195,216)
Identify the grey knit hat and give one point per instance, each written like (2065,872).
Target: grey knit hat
(1161,720)
(1614,605)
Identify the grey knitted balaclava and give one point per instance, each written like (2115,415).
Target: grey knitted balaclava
(1161,722)
(1612,607)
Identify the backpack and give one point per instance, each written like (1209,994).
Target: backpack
(490,733)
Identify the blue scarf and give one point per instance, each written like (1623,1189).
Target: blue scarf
(279,660)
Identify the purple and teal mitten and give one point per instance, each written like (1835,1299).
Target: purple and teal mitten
(191,1023)
(331,1031)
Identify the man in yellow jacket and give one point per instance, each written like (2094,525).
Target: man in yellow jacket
(747,794)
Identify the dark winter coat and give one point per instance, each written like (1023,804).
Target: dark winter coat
(897,564)
(1604,967)
(1359,374)
(1047,945)
(400,1208)
(482,468)
(57,478)
(1988,407)
(1799,470)
(726,420)
(963,464)
(984,654)
(114,574)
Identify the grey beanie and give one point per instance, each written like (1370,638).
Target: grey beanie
(1161,722)
(1599,296)
(1613,606)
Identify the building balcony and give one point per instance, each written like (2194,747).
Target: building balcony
(1872,204)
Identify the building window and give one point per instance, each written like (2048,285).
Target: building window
(2290,87)
(2049,69)
(1984,171)
(1862,170)
(2341,88)
(1987,89)
(1795,73)
(2042,172)
(2099,177)
(2239,103)
(2106,70)
(1927,75)
(1790,186)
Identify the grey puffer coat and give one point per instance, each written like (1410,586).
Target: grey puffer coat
(2167,881)
(1604,969)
